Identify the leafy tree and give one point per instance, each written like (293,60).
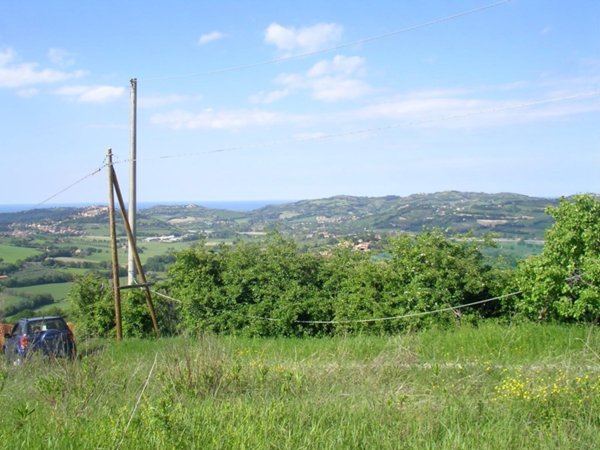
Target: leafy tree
(54,311)
(353,288)
(195,279)
(563,283)
(136,317)
(93,310)
(159,263)
(232,289)
(430,271)
(275,280)
(92,305)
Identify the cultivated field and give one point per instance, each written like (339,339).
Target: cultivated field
(11,254)
(488,387)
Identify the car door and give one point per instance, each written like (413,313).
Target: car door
(11,342)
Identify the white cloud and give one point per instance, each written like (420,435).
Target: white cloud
(28,92)
(92,94)
(210,37)
(331,89)
(307,39)
(223,120)
(339,65)
(328,80)
(60,57)
(6,56)
(17,75)
(439,108)
(313,135)
(455,111)
(419,107)
(292,80)
(164,100)
(269,97)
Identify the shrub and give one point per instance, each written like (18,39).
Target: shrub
(562,283)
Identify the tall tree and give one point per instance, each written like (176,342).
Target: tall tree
(564,281)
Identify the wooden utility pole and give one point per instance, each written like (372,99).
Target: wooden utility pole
(136,257)
(114,247)
(132,184)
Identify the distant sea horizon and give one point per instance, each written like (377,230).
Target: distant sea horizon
(230,205)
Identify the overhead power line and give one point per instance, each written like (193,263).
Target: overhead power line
(330,136)
(376,129)
(409,315)
(333,48)
(72,185)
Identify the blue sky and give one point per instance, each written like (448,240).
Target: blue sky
(504,99)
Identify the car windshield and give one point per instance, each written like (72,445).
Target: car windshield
(46,324)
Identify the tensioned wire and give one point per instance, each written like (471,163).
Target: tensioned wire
(72,185)
(577,277)
(333,135)
(349,321)
(372,130)
(334,48)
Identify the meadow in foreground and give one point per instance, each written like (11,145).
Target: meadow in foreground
(492,386)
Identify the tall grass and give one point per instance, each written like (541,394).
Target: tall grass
(492,386)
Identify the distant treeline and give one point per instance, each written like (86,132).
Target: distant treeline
(28,302)
(274,288)
(44,277)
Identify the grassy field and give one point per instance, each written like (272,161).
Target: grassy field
(6,298)
(11,254)
(488,387)
(147,249)
(513,251)
(58,290)
(12,296)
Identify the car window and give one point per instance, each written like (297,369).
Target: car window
(45,325)
(16,329)
(55,324)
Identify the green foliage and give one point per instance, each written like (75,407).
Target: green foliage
(40,277)
(533,386)
(23,314)
(136,320)
(93,310)
(136,317)
(275,289)
(563,282)
(92,306)
(434,271)
(225,290)
(29,303)
(354,286)
(8,268)
(159,263)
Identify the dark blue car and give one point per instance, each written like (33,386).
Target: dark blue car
(48,336)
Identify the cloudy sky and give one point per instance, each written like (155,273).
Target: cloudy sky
(245,100)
